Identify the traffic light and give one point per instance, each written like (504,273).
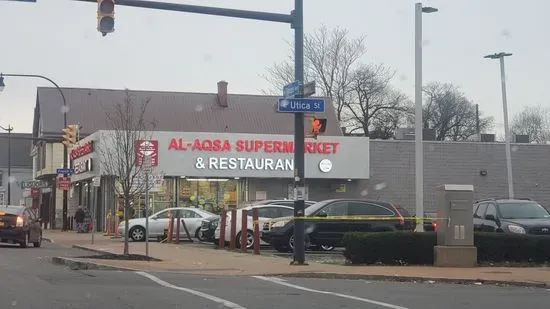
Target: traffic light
(105,16)
(70,134)
(316,126)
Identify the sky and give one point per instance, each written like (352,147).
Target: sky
(174,51)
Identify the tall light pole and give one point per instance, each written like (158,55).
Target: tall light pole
(64,111)
(419,151)
(9,129)
(507,137)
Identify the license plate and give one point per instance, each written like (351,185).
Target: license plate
(1,223)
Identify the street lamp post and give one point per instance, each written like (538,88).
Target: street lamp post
(419,151)
(9,129)
(64,111)
(507,138)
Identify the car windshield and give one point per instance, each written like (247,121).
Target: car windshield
(204,213)
(523,211)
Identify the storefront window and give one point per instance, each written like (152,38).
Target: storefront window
(208,194)
(164,198)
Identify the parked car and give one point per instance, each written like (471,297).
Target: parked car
(208,229)
(265,213)
(327,222)
(520,216)
(20,225)
(159,221)
(430,225)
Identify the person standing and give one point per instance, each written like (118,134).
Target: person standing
(44,215)
(79,218)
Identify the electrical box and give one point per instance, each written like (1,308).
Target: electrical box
(455,220)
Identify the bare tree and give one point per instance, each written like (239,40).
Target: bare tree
(128,124)
(330,57)
(450,113)
(373,104)
(533,121)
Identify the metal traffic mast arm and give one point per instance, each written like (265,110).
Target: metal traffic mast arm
(206,10)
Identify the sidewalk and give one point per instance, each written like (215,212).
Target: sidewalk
(193,258)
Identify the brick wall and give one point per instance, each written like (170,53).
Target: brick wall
(392,170)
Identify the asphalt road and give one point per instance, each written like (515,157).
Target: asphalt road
(30,280)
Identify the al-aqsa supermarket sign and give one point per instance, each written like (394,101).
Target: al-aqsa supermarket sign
(250,146)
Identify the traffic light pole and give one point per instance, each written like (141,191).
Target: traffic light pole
(296,20)
(65,154)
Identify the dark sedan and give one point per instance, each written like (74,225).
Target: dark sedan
(511,216)
(327,221)
(20,225)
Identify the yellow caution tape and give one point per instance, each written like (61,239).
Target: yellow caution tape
(370,218)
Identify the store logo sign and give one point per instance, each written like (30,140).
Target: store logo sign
(82,166)
(325,165)
(147,148)
(82,150)
(254,145)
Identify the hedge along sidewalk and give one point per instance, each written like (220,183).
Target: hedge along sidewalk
(193,258)
(410,248)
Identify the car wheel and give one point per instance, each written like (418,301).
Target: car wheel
(200,235)
(137,233)
(291,242)
(327,247)
(249,239)
(25,242)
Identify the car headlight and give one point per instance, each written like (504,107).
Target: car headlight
(279,224)
(516,229)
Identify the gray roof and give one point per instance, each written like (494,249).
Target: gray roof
(20,150)
(172,111)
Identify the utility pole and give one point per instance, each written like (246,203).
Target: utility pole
(9,129)
(295,19)
(478,130)
(147,167)
(64,110)
(418,135)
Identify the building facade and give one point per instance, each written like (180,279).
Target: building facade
(218,112)
(20,163)
(482,165)
(219,170)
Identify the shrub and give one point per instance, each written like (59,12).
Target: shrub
(410,248)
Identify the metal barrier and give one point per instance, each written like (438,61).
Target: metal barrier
(223,224)
(256,223)
(244,229)
(233,230)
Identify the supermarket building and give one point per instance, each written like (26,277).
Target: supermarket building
(214,150)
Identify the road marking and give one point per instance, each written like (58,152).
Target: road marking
(213,298)
(298,287)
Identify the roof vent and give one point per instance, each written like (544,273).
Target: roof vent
(222,93)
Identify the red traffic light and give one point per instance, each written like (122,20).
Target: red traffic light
(318,125)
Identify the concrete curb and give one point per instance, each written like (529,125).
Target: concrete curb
(412,279)
(92,250)
(75,264)
(48,240)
